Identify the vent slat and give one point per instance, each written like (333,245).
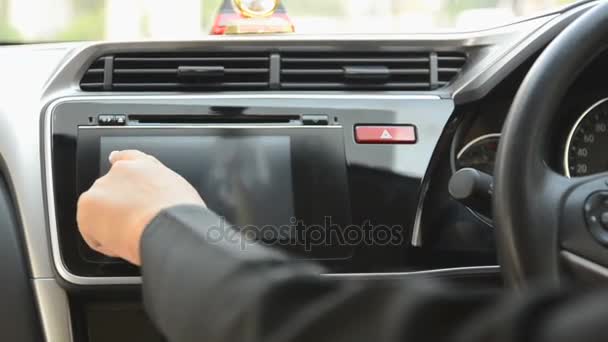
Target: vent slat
(189,59)
(452,59)
(312,72)
(186,86)
(356,60)
(91,86)
(174,71)
(449,70)
(341,71)
(341,86)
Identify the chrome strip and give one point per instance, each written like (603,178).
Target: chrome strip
(566,162)
(213,126)
(586,264)
(57,260)
(50,197)
(475,141)
(416,239)
(54,310)
(433,272)
(271,96)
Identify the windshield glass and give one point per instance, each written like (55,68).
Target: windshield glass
(68,20)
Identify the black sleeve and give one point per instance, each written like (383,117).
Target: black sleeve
(203,283)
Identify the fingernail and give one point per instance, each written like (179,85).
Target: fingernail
(111,154)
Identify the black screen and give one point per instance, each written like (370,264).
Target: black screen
(258,178)
(246,179)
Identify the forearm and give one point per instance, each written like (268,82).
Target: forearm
(199,290)
(199,286)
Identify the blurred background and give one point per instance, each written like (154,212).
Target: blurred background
(67,20)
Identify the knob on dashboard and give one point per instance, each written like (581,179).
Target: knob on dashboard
(474,189)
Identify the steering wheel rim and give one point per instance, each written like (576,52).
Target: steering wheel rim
(532,203)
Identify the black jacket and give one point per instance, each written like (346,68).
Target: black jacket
(200,287)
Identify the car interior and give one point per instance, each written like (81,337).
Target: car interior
(471,157)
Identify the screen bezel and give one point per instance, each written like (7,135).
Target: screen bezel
(317,154)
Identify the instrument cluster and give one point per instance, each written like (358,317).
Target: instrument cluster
(580,149)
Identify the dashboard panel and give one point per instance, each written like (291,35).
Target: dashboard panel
(578,137)
(576,149)
(457,123)
(400,166)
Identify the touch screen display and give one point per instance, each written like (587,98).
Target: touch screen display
(246,179)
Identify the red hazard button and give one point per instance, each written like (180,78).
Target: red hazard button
(403,134)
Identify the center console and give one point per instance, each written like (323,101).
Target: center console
(313,176)
(273,178)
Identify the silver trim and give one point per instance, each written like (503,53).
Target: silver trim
(434,272)
(475,141)
(56,253)
(416,240)
(231,126)
(270,96)
(586,264)
(54,310)
(573,130)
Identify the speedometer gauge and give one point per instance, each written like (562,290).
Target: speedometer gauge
(585,152)
(480,153)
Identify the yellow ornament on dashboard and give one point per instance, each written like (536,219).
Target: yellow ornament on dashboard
(256,8)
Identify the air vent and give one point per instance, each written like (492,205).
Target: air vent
(359,70)
(94,76)
(186,72)
(356,70)
(449,64)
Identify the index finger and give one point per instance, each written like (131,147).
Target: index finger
(126,155)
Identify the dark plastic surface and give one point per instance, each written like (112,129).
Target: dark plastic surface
(18,315)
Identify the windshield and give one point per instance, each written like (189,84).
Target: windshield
(69,20)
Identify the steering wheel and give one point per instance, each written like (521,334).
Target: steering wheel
(550,227)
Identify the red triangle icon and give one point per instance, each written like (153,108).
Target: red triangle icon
(386,135)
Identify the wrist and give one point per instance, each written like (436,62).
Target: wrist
(136,230)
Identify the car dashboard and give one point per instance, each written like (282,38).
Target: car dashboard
(363,131)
